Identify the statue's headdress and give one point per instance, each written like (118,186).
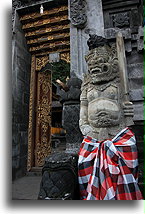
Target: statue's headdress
(96,41)
(96,44)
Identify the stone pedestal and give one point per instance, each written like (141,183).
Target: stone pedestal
(71,125)
(59,178)
(70,114)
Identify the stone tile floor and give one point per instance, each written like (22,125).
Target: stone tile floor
(26,188)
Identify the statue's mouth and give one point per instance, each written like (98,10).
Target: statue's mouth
(96,70)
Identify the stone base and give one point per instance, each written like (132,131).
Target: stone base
(59,178)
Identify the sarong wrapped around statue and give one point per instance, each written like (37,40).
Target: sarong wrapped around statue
(107,169)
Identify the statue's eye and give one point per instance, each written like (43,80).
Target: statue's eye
(92,61)
(100,60)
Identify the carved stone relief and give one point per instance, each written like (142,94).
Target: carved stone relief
(78,13)
(121,19)
(123,14)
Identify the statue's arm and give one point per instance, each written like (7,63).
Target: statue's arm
(83,122)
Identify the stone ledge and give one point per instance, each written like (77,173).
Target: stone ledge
(138,112)
(135,70)
(136,95)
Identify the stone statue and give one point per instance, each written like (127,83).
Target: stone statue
(104,111)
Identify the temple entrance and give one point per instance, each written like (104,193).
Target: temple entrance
(48,40)
(45,110)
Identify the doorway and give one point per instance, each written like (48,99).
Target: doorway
(48,39)
(45,110)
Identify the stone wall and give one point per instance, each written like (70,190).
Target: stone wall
(21,66)
(127,17)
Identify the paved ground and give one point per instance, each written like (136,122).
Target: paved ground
(26,188)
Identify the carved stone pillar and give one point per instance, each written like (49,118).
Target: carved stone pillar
(70,114)
(86,17)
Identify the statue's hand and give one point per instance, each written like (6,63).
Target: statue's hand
(128,109)
(86,129)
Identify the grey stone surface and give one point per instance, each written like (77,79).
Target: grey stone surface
(134,58)
(138,111)
(110,33)
(136,95)
(26,188)
(132,41)
(135,70)
(135,83)
(21,66)
(54,57)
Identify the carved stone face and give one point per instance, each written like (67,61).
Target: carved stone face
(102,64)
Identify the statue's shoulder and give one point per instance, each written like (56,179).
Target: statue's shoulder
(86,83)
(85,87)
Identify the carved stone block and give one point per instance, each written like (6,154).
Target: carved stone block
(70,114)
(121,19)
(70,122)
(59,178)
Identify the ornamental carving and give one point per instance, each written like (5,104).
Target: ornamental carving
(46,12)
(47,30)
(50,46)
(39,137)
(78,15)
(41,62)
(121,19)
(48,38)
(65,57)
(43,117)
(45,22)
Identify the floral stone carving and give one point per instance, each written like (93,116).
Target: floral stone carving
(121,19)
(103,108)
(78,13)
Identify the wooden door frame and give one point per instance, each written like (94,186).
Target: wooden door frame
(37,63)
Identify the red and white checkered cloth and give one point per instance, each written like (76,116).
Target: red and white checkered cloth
(108,169)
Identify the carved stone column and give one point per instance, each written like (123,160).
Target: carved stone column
(70,114)
(86,17)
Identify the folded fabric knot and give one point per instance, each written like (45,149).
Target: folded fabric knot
(108,169)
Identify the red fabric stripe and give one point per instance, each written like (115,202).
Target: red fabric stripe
(85,172)
(124,138)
